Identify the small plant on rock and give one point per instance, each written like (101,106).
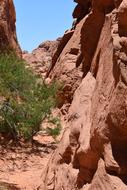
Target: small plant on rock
(56,130)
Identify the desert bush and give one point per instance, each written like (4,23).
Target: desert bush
(25,101)
(54,132)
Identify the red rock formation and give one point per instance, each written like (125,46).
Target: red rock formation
(66,65)
(92,154)
(73,57)
(40,59)
(8,39)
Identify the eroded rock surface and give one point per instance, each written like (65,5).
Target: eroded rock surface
(39,60)
(92,154)
(21,167)
(8,38)
(91,63)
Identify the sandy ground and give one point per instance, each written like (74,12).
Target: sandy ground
(23,167)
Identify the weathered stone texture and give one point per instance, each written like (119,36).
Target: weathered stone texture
(8,38)
(92,154)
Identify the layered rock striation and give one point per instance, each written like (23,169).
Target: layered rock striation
(8,38)
(92,154)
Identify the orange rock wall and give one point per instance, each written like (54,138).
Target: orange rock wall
(8,38)
(92,154)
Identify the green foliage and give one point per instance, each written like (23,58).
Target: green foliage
(54,131)
(24,99)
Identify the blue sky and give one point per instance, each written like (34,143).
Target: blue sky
(42,20)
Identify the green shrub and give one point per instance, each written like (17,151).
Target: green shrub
(56,130)
(24,99)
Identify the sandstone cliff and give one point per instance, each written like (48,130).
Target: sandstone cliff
(91,63)
(8,38)
(93,57)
